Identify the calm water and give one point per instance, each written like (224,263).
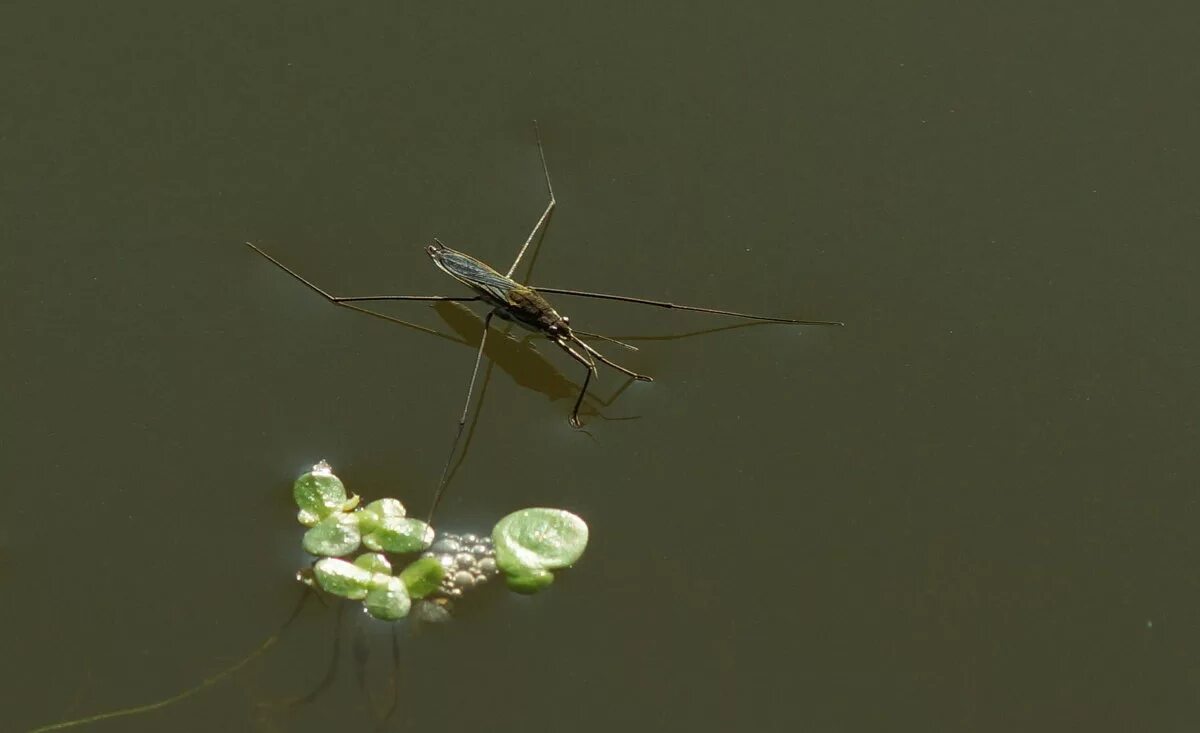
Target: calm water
(971,509)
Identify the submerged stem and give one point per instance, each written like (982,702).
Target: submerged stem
(204,684)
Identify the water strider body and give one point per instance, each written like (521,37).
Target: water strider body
(513,301)
(522,304)
(526,307)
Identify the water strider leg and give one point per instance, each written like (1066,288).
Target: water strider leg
(462,420)
(610,339)
(342,300)
(591,366)
(613,364)
(549,207)
(393,319)
(676,306)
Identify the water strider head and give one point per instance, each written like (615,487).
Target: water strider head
(559,331)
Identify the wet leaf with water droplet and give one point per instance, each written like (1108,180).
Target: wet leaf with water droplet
(333,536)
(387,508)
(399,534)
(319,493)
(377,512)
(388,600)
(343,578)
(538,539)
(374,562)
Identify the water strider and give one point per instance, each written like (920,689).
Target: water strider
(522,304)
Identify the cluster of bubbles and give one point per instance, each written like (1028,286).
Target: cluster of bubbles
(467,559)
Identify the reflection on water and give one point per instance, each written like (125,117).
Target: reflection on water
(521,360)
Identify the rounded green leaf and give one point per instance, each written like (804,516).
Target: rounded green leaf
(319,493)
(389,600)
(374,562)
(387,508)
(538,539)
(530,581)
(423,576)
(399,534)
(307,518)
(334,536)
(343,578)
(377,512)
(368,521)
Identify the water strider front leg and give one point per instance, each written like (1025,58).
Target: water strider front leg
(613,364)
(591,367)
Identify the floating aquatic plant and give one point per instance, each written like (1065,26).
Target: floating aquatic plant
(423,577)
(532,542)
(319,494)
(525,546)
(339,527)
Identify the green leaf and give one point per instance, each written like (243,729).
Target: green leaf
(530,581)
(374,562)
(334,536)
(538,539)
(307,518)
(379,511)
(319,493)
(400,534)
(343,578)
(388,600)
(368,521)
(387,508)
(423,576)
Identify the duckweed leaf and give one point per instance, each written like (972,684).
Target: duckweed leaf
(530,581)
(423,576)
(387,508)
(333,536)
(319,493)
(399,534)
(378,512)
(374,562)
(538,539)
(343,578)
(388,600)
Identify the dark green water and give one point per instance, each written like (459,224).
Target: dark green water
(971,509)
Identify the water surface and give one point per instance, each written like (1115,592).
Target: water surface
(971,509)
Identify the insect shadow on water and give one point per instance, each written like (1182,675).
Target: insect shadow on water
(522,362)
(525,364)
(522,304)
